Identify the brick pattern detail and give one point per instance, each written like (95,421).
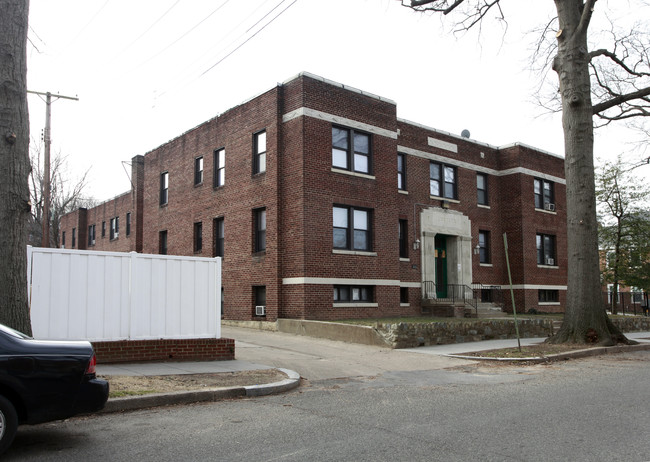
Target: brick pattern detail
(210,349)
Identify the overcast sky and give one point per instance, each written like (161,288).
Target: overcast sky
(146,71)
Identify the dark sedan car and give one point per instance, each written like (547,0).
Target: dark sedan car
(43,380)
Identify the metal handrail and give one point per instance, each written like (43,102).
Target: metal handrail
(455,293)
(496,291)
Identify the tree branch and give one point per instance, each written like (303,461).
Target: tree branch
(613,57)
(585,19)
(639,94)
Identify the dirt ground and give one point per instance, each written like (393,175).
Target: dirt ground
(122,385)
(542,350)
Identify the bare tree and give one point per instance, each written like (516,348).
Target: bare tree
(618,80)
(14,147)
(66,195)
(624,231)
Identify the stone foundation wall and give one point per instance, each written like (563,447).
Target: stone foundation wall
(409,335)
(632,324)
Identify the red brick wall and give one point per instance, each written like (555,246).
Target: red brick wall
(235,201)
(299,190)
(202,349)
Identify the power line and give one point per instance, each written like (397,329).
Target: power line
(238,38)
(248,39)
(88,23)
(187,72)
(148,29)
(181,37)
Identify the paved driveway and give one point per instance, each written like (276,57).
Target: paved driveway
(320,359)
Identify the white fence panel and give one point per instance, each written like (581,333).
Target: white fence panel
(76,294)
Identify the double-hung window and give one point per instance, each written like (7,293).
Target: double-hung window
(546,249)
(259,299)
(442,180)
(351,150)
(103,229)
(219,167)
(351,228)
(401,171)
(198,170)
(128,223)
(259,152)
(219,235)
(91,235)
(115,228)
(198,237)
(544,194)
(74,237)
(484,246)
(482,188)
(162,242)
(259,219)
(164,188)
(403,244)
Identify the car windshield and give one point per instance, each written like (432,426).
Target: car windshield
(13,332)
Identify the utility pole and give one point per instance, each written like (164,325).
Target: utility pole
(45,239)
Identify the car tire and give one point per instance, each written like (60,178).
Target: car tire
(8,423)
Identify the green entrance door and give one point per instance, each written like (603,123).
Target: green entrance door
(441,266)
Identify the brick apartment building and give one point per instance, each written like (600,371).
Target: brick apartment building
(325,205)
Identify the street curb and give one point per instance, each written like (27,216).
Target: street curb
(562,356)
(277,387)
(131,403)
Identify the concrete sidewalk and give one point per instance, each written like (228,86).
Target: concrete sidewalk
(456,349)
(192,396)
(314,358)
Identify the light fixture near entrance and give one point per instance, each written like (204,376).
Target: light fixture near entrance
(416,244)
(477,249)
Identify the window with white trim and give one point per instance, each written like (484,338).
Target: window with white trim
(198,170)
(401,171)
(351,228)
(482,188)
(259,152)
(546,249)
(351,150)
(442,180)
(219,167)
(544,194)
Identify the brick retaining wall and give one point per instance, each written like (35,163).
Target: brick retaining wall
(199,349)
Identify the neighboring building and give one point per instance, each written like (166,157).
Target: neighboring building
(325,205)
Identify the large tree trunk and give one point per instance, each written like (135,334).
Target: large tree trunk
(585,319)
(14,165)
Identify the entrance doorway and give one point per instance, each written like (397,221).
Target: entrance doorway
(441,265)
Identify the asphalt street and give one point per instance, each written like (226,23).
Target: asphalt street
(376,404)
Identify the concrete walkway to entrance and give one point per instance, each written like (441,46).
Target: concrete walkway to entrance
(321,359)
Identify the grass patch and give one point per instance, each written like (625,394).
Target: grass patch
(541,350)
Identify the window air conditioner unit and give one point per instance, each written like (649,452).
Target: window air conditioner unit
(550,207)
(260,310)
(550,261)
